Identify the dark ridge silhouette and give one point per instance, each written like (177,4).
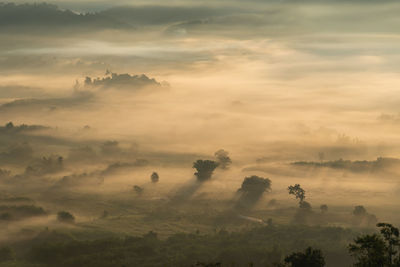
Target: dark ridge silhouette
(123,166)
(48,16)
(49,104)
(10,128)
(19,212)
(354,166)
(45,165)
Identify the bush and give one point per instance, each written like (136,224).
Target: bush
(65,217)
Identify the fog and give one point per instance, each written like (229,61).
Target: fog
(228,104)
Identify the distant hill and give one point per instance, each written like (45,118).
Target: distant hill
(50,16)
(355,166)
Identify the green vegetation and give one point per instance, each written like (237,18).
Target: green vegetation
(310,258)
(261,246)
(377,250)
(124,221)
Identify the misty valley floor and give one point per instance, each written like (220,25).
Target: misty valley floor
(97,202)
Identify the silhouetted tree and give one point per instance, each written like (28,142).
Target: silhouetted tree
(375,250)
(138,189)
(154,177)
(359,211)
(305,205)
(223,159)
(309,258)
(252,189)
(369,251)
(305,209)
(324,208)
(88,80)
(205,169)
(298,192)
(65,216)
(362,217)
(255,185)
(9,125)
(391,236)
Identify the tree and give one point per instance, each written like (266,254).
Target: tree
(255,185)
(362,217)
(65,217)
(223,159)
(205,169)
(359,211)
(298,192)
(391,236)
(369,251)
(154,177)
(304,205)
(88,80)
(309,258)
(305,210)
(10,125)
(252,189)
(138,189)
(375,250)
